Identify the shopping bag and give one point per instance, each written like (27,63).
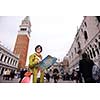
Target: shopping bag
(26,79)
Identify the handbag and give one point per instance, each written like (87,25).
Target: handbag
(26,79)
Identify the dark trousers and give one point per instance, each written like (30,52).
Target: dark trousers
(89,80)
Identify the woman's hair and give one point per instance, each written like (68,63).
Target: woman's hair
(37,47)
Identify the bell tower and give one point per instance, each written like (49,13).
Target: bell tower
(22,41)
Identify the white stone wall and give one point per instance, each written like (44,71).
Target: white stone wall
(8,59)
(91,25)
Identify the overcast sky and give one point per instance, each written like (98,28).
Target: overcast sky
(54,33)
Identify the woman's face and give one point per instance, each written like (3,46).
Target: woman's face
(38,50)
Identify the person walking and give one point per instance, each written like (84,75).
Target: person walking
(55,75)
(47,76)
(22,72)
(85,68)
(35,59)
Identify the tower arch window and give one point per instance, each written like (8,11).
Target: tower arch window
(85,35)
(23,29)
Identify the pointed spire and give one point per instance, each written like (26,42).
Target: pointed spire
(25,25)
(26,21)
(27,18)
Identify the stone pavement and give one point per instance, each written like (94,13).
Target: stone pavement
(15,80)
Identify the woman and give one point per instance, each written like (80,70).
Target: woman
(35,59)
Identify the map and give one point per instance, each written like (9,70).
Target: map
(47,62)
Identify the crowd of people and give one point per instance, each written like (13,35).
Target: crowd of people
(83,74)
(7,74)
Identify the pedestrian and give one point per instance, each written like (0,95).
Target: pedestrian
(74,76)
(47,76)
(27,77)
(79,76)
(55,75)
(12,74)
(35,59)
(5,74)
(22,72)
(67,76)
(85,68)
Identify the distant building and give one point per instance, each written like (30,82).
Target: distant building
(65,63)
(22,42)
(8,60)
(86,40)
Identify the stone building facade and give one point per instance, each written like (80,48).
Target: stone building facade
(8,60)
(86,40)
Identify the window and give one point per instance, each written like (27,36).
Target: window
(98,18)
(96,49)
(96,40)
(2,57)
(23,29)
(15,63)
(81,30)
(85,35)
(11,61)
(93,50)
(90,53)
(79,46)
(87,52)
(8,60)
(99,44)
(85,24)
(75,50)
(5,59)
(99,36)
(72,54)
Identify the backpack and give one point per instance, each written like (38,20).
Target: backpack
(96,72)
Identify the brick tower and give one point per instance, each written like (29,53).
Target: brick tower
(22,41)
